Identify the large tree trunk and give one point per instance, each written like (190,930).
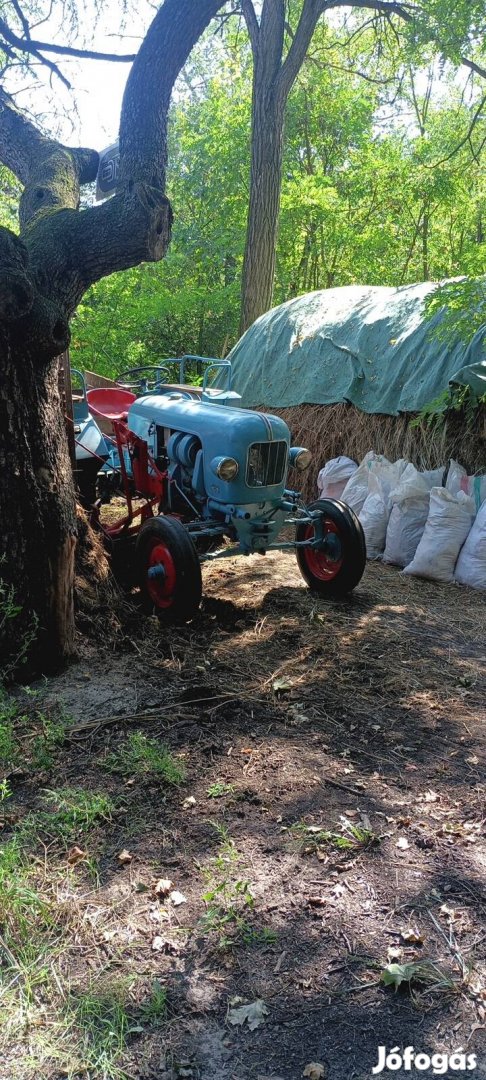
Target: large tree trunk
(37,512)
(43,276)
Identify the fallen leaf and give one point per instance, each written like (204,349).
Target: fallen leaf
(281,686)
(162,887)
(411,937)
(402,843)
(177,898)
(314,1071)
(396,974)
(124,857)
(254,1014)
(190,801)
(76,855)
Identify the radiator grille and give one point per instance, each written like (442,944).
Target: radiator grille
(266,464)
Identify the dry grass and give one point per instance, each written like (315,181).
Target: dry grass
(330,430)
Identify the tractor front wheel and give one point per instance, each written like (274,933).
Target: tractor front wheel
(169,572)
(336,565)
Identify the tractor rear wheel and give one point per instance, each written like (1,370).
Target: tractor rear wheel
(169,572)
(336,566)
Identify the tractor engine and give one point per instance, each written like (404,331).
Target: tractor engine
(224,464)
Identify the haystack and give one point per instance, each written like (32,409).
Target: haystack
(350,369)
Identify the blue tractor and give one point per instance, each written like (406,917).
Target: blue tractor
(204,479)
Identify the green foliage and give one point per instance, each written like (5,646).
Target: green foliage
(462,305)
(218,789)
(382,185)
(28,740)
(227,894)
(9,614)
(70,814)
(10,191)
(353,838)
(154,1010)
(141,756)
(459,399)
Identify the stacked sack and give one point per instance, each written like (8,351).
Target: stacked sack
(453,544)
(334,477)
(411,519)
(410,503)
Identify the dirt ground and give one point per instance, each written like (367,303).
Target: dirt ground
(330,824)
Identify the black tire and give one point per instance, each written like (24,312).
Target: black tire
(163,541)
(336,568)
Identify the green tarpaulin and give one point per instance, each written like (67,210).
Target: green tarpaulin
(371,346)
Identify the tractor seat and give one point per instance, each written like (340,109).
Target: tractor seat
(110,402)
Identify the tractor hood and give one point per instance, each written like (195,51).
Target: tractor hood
(253,439)
(205,419)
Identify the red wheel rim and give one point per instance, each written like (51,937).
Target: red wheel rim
(161,589)
(320,563)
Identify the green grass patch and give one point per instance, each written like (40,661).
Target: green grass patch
(227,895)
(154,1011)
(219,789)
(102,1025)
(354,838)
(30,739)
(69,815)
(142,756)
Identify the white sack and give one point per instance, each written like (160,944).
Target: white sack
(356,489)
(448,523)
(374,514)
(433,477)
(410,507)
(471,564)
(334,476)
(458,480)
(456,477)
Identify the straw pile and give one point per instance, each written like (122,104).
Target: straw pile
(330,430)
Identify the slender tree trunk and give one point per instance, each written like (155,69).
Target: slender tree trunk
(273,78)
(263,213)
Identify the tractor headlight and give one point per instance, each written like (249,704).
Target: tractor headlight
(225,467)
(299,458)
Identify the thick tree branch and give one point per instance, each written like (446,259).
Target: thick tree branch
(251,20)
(143,128)
(51,172)
(311,12)
(27,44)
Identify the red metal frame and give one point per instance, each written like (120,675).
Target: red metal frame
(148,481)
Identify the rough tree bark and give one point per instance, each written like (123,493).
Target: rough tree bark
(44,273)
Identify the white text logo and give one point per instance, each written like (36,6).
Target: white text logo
(437,1063)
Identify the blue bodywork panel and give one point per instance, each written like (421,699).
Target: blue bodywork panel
(218,428)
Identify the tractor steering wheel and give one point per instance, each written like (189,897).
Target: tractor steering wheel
(144,379)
